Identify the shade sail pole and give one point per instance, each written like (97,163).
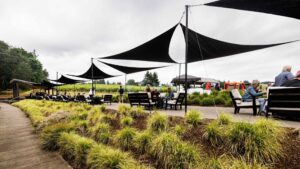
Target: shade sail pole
(125,83)
(92,77)
(179,75)
(186,56)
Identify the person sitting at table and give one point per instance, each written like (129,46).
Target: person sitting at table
(154,95)
(294,82)
(251,92)
(169,94)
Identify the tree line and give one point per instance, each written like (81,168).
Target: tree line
(17,63)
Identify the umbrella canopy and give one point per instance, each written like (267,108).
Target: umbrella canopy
(65,80)
(94,73)
(190,79)
(288,8)
(201,47)
(128,70)
(155,50)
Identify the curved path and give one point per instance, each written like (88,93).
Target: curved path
(20,147)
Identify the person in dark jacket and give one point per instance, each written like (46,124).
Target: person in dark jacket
(284,76)
(294,82)
(121,93)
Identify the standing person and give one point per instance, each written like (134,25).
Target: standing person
(121,92)
(284,76)
(294,82)
(148,89)
(251,91)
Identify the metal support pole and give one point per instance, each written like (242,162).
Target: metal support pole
(179,75)
(186,56)
(92,77)
(125,83)
(57,86)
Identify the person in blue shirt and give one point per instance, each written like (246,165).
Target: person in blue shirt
(284,76)
(252,92)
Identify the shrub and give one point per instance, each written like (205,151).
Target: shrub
(102,157)
(256,142)
(51,134)
(126,121)
(207,101)
(123,109)
(142,142)
(136,112)
(196,101)
(74,147)
(224,119)
(170,152)
(102,108)
(94,117)
(179,130)
(228,103)
(219,100)
(125,138)
(157,122)
(101,133)
(107,118)
(213,134)
(193,117)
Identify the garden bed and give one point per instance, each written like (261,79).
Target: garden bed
(133,139)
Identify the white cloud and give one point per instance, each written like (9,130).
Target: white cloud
(67,33)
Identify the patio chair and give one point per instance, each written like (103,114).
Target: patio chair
(107,99)
(174,103)
(133,99)
(239,104)
(144,100)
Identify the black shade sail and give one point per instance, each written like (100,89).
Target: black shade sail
(289,8)
(94,73)
(47,84)
(128,70)
(181,79)
(201,47)
(65,80)
(156,50)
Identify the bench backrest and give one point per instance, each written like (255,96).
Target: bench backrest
(284,98)
(107,97)
(236,97)
(133,97)
(180,98)
(144,98)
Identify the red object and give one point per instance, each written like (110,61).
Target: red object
(208,86)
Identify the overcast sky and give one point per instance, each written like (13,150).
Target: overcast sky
(67,33)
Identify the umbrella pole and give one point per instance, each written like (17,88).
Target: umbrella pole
(186,55)
(179,75)
(125,83)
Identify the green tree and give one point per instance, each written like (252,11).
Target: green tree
(131,82)
(20,64)
(150,78)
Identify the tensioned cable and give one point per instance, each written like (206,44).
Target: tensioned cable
(203,62)
(181,16)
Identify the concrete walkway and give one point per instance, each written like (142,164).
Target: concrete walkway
(212,113)
(19,147)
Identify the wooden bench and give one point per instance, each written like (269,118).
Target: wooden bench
(175,102)
(284,102)
(239,104)
(140,99)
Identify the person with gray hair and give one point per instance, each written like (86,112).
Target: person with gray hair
(251,92)
(284,76)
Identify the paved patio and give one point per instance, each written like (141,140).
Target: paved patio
(212,113)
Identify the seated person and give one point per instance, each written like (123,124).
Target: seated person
(294,82)
(170,94)
(284,76)
(252,92)
(148,89)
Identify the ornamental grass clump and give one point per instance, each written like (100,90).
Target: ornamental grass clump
(193,117)
(157,122)
(126,121)
(102,108)
(224,119)
(101,133)
(94,117)
(170,152)
(214,134)
(137,112)
(142,141)
(51,134)
(75,148)
(179,130)
(107,118)
(103,157)
(124,109)
(260,142)
(125,138)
